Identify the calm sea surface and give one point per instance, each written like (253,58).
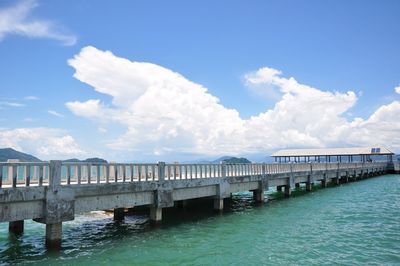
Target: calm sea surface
(352,224)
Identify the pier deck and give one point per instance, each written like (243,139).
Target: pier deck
(53,192)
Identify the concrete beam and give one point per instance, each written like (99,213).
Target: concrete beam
(53,236)
(16,227)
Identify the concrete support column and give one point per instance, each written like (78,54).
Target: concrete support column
(181,204)
(297,185)
(219,204)
(53,236)
(288,191)
(16,227)
(279,188)
(119,214)
(336,181)
(258,195)
(309,186)
(324,183)
(155,215)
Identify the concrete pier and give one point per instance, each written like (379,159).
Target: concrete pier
(181,204)
(155,215)
(219,204)
(119,214)
(336,181)
(53,236)
(16,227)
(50,198)
(309,186)
(258,195)
(288,191)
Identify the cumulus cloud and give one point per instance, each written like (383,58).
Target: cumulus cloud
(15,20)
(46,143)
(397,89)
(164,112)
(161,109)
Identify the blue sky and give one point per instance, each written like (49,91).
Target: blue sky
(243,52)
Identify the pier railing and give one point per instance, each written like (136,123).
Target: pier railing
(73,173)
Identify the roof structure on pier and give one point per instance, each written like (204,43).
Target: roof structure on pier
(375,150)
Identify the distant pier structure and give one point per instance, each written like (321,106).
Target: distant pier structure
(54,192)
(356,154)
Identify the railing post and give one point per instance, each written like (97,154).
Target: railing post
(68,174)
(1,176)
(41,175)
(28,175)
(161,171)
(223,169)
(55,175)
(14,175)
(108,173)
(264,170)
(116,173)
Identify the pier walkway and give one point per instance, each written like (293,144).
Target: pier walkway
(53,192)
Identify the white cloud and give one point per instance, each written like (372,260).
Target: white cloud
(28,119)
(15,20)
(397,89)
(31,98)
(46,143)
(11,104)
(165,113)
(52,112)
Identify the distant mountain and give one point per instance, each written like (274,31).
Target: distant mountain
(230,159)
(236,160)
(222,159)
(8,153)
(88,160)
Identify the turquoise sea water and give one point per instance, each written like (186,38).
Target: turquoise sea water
(352,224)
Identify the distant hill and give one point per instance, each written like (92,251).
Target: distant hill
(8,153)
(230,159)
(88,160)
